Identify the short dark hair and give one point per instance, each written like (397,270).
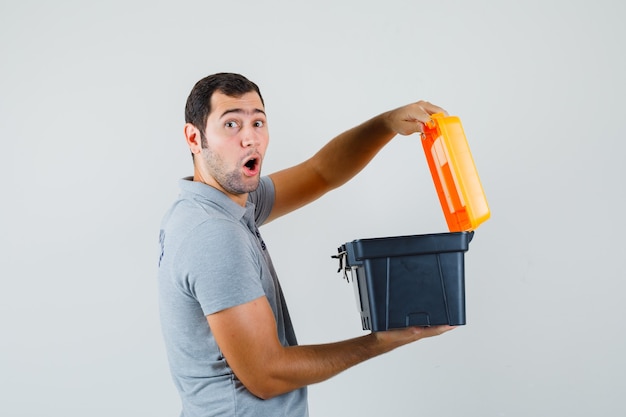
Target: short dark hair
(198,105)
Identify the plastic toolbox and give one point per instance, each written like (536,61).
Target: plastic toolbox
(408,280)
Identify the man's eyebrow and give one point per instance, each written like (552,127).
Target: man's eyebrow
(237,110)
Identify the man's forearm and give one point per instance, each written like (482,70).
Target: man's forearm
(348,153)
(299,366)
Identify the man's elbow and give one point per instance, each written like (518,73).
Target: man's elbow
(266,388)
(264,395)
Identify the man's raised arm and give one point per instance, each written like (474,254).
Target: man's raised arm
(345,156)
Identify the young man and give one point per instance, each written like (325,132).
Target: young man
(230,342)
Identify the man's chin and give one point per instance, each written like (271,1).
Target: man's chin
(248,186)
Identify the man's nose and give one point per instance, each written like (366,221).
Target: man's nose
(250,137)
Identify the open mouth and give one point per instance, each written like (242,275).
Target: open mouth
(252,166)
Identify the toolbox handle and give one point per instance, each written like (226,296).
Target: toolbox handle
(342,255)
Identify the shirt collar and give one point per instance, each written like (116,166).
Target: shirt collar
(206,194)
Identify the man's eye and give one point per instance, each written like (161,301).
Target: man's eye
(259,123)
(231,124)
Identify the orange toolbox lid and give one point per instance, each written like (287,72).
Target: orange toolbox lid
(455,176)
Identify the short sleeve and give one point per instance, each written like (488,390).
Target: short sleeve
(222,268)
(263,200)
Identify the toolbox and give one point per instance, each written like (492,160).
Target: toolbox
(419,280)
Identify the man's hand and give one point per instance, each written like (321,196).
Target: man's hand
(411,118)
(399,337)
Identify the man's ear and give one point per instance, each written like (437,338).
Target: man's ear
(193,138)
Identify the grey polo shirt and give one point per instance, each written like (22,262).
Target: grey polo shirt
(213,257)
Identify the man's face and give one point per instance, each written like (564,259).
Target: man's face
(234,144)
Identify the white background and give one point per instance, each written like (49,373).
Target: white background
(91,115)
